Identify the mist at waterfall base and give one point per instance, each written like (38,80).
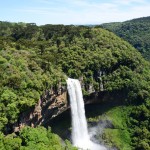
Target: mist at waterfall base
(80,136)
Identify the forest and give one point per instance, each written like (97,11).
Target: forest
(135,31)
(34,58)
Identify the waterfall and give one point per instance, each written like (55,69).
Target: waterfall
(80,136)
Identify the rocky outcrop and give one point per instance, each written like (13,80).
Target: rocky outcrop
(54,102)
(50,105)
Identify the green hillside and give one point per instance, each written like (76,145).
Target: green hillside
(136,32)
(34,58)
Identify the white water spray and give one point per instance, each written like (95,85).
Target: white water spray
(80,136)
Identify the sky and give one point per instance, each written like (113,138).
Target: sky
(75,12)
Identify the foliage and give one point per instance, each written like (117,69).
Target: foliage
(34,58)
(115,133)
(136,32)
(34,138)
(117,138)
(22,83)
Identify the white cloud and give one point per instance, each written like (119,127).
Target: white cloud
(87,11)
(128,2)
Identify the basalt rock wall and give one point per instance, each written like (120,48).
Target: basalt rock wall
(53,103)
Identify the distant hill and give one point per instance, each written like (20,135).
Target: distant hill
(136,32)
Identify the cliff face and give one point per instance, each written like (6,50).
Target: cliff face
(53,103)
(50,105)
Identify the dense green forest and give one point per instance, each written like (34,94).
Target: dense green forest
(136,32)
(34,139)
(34,58)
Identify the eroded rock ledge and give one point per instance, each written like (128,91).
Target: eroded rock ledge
(53,103)
(50,105)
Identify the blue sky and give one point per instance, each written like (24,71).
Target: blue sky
(72,11)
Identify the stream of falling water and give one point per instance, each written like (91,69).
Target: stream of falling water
(80,136)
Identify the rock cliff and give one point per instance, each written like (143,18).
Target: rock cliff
(51,104)
(54,102)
